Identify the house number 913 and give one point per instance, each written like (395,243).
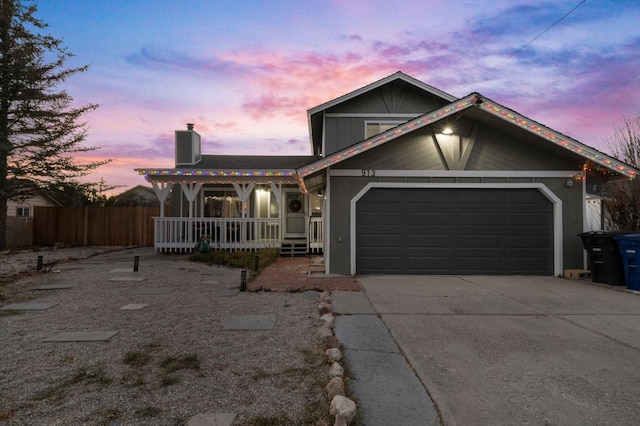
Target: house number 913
(368,172)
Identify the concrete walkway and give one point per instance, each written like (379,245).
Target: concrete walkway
(517,350)
(386,389)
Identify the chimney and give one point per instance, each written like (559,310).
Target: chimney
(187,146)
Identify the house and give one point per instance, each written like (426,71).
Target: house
(24,206)
(139,195)
(403,179)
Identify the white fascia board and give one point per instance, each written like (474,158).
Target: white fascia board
(459,173)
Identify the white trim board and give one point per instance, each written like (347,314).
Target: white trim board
(557,211)
(461,173)
(373,116)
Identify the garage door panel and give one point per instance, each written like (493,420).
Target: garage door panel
(478,241)
(478,219)
(380,218)
(428,242)
(432,218)
(529,242)
(454,231)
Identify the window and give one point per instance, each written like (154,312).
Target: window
(222,203)
(23,211)
(266,204)
(373,128)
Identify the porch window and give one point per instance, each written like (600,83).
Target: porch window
(222,203)
(373,128)
(266,204)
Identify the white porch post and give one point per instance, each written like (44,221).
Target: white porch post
(277,191)
(243,191)
(162,190)
(190,191)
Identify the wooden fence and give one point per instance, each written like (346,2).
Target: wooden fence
(94,226)
(19,232)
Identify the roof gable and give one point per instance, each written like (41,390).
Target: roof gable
(474,100)
(377,84)
(315,115)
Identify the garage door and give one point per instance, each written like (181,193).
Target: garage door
(454,231)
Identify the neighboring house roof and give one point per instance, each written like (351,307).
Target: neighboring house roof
(474,100)
(139,190)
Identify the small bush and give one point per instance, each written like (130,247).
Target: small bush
(136,358)
(171,363)
(91,375)
(168,380)
(237,259)
(148,411)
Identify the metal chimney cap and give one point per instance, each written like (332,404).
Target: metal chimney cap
(189,126)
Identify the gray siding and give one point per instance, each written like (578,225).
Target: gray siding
(415,151)
(395,97)
(497,150)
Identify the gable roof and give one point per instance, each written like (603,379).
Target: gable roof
(474,100)
(314,115)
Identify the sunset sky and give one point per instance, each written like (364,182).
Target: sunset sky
(246,71)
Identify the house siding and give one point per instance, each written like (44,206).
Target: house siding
(398,98)
(35,201)
(414,151)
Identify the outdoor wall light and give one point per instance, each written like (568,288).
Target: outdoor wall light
(447,131)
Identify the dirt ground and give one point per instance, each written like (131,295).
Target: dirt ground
(170,360)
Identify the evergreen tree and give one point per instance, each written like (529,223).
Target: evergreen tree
(40,129)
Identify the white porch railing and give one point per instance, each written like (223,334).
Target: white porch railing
(316,234)
(178,234)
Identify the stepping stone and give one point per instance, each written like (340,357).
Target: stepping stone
(135,279)
(82,336)
(121,270)
(135,306)
(212,419)
(227,292)
(154,290)
(28,306)
(310,295)
(251,322)
(53,287)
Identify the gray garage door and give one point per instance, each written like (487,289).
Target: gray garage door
(454,231)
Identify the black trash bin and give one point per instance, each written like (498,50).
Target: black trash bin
(603,255)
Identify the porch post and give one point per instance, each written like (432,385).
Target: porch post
(243,191)
(190,191)
(162,190)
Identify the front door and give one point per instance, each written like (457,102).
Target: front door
(294,217)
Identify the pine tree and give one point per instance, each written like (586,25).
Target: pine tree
(40,129)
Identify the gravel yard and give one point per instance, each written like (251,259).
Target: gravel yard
(170,360)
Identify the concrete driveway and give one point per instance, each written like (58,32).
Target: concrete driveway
(517,350)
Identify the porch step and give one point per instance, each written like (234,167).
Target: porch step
(294,248)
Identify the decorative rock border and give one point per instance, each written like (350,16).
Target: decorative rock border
(342,408)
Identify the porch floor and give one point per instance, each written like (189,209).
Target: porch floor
(297,274)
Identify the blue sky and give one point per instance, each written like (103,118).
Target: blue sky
(245,72)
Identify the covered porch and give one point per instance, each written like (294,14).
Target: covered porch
(234,210)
